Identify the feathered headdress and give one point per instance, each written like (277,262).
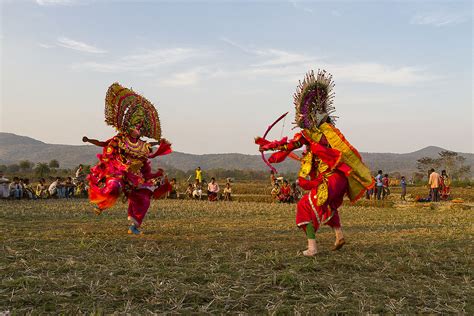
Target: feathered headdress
(314,100)
(125,109)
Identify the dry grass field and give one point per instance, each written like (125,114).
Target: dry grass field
(234,257)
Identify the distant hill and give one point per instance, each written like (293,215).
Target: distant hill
(14,148)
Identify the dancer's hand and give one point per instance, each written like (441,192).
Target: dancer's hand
(85,139)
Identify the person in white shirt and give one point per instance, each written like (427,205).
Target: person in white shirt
(53,187)
(4,190)
(197,192)
(16,189)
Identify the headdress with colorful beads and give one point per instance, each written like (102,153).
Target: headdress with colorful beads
(125,109)
(314,100)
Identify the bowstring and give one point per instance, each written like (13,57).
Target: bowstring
(283,127)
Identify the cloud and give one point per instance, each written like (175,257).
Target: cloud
(291,66)
(439,19)
(187,78)
(79,46)
(45,45)
(148,60)
(379,73)
(273,57)
(53,2)
(297,5)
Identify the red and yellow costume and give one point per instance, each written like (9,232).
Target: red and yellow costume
(124,165)
(330,166)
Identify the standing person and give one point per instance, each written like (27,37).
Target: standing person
(80,175)
(227,192)
(386,186)
(212,190)
(273,179)
(4,190)
(445,185)
(434,182)
(403,184)
(16,189)
(124,166)
(198,174)
(330,167)
(379,184)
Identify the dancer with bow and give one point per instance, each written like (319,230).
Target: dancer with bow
(124,165)
(330,166)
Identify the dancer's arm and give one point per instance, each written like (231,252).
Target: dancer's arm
(281,145)
(163,149)
(96,142)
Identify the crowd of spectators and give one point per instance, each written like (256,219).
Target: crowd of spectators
(61,188)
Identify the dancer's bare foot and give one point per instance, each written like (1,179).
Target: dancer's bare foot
(309,253)
(312,249)
(338,244)
(97,210)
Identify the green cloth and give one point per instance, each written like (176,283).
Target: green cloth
(310,231)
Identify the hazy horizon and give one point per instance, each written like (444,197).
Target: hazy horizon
(220,73)
(236,152)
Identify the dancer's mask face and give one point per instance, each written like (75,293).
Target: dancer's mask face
(135,132)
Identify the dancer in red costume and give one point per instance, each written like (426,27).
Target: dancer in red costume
(330,166)
(124,165)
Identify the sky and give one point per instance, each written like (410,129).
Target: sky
(220,72)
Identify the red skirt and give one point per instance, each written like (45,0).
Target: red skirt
(307,210)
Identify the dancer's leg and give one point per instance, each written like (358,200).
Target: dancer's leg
(311,235)
(138,204)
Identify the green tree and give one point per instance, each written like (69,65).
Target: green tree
(42,169)
(13,168)
(25,165)
(54,164)
(426,163)
(3,168)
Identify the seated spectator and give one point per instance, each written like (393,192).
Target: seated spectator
(197,190)
(81,189)
(16,189)
(285,192)
(173,193)
(4,187)
(54,188)
(28,191)
(295,193)
(68,188)
(189,191)
(275,191)
(41,189)
(212,190)
(227,192)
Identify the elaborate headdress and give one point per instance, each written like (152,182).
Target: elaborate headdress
(125,109)
(314,100)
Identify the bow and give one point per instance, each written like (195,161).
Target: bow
(265,135)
